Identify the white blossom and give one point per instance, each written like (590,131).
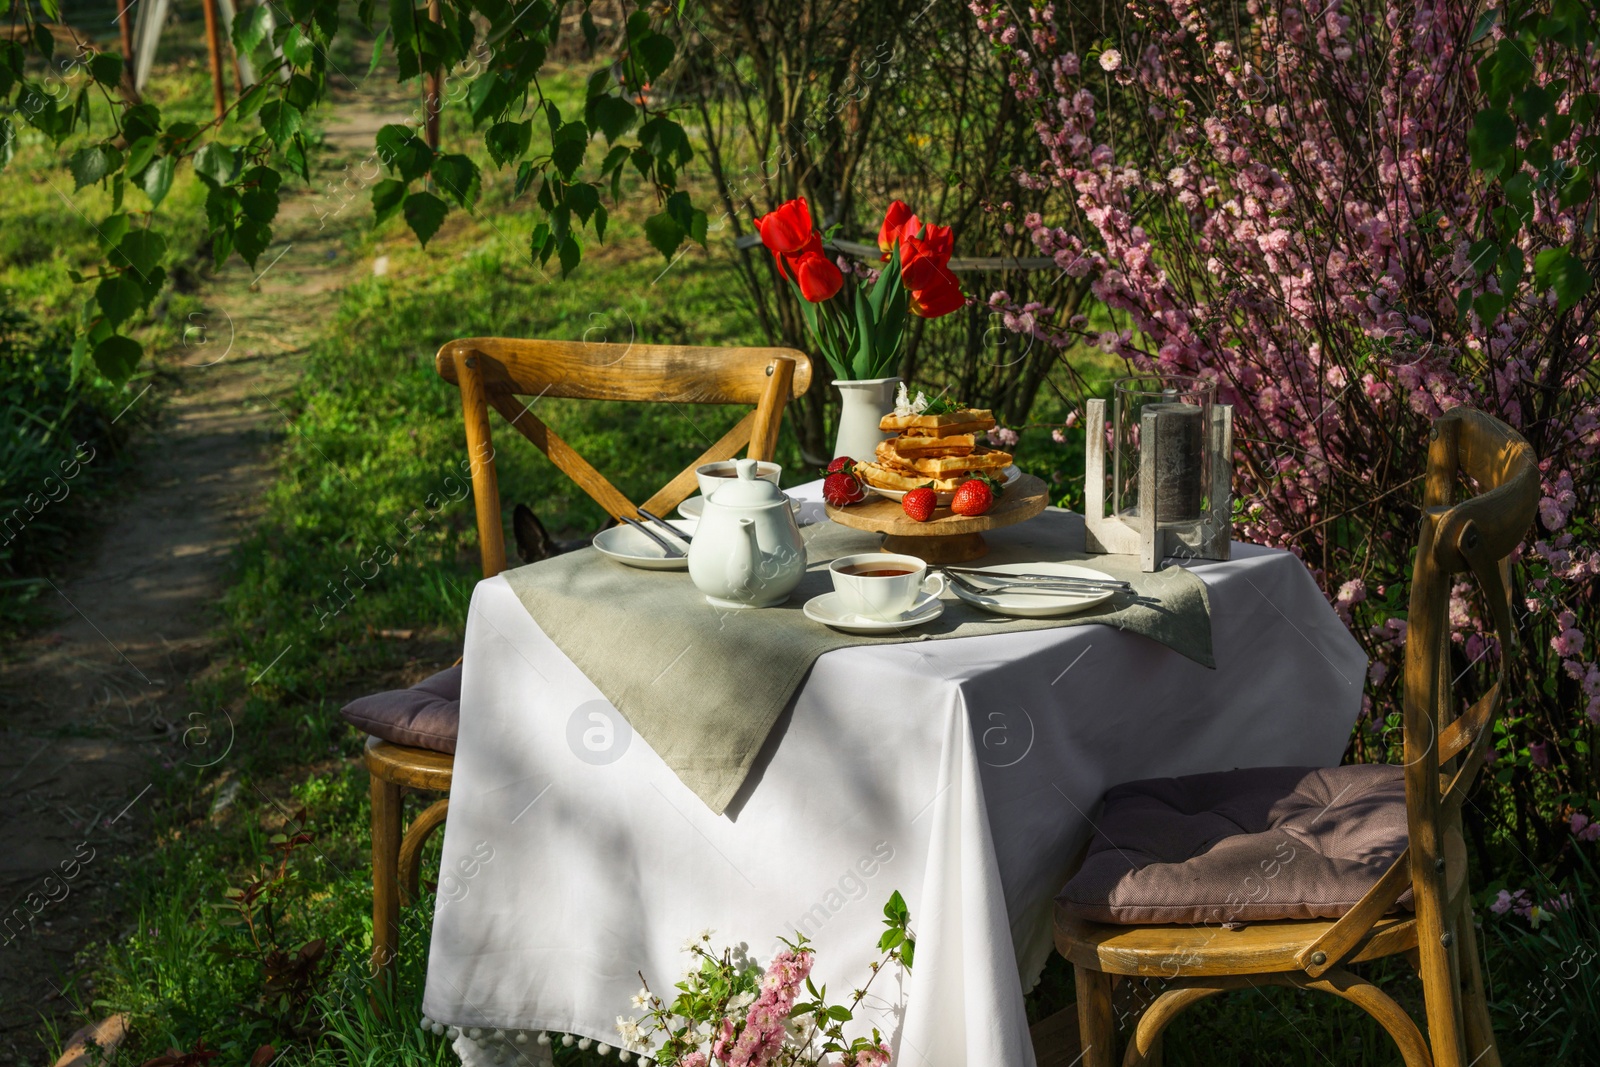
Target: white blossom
(1110,59)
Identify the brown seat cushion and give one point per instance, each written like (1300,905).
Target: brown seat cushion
(424,716)
(1241,846)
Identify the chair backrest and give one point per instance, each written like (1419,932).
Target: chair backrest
(494,371)
(1477,535)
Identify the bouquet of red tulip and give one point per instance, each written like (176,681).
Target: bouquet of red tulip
(860,335)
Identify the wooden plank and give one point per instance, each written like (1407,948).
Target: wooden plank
(769,411)
(684,374)
(485,481)
(564,456)
(686,483)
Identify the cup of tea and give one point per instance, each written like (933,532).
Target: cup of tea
(881,585)
(712,475)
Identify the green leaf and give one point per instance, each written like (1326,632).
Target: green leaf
(403,152)
(458,176)
(1493,133)
(140,153)
(251,238)
(583,199)
(44,41)
(302,92)
(106,68)
(259,204)
(119,298)
(541,235)
(664,233)
(140,250)
(508,141)
(253,25)
(1485,23)
(567,156)
(216,162)
(612,116)
(586,25)
(298,48)
(488,97)
(118,357)
(1559,269)
(8,142)
(601,217)
(654,54)
(377,47)
(425,214)
(570,252)
(157,180)
(89,165)
(280,120)
(387,197)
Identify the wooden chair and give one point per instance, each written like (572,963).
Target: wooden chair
(1443,754)
(493,372)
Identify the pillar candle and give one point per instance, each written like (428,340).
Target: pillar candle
(1180,461)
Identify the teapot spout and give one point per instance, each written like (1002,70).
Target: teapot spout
(742,557)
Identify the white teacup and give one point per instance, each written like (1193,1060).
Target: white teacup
(713,476)
(880,585)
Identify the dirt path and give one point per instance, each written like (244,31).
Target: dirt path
(91,705)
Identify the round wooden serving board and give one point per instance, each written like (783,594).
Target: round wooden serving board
(947,537)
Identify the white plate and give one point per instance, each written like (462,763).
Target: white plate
(627,545)
(1034,605)
(695,505)
(1008,477)
(828,610)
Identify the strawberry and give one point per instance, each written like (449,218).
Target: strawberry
(842,489)
(842,463)
(973,497)
(919,503)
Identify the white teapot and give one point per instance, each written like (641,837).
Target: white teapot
(747,550)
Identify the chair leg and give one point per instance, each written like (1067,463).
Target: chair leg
(385,878)
(1481,1048)
(1096,1028)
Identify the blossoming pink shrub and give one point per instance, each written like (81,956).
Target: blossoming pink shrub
(1281,198)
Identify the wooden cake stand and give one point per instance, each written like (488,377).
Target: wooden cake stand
(947,537)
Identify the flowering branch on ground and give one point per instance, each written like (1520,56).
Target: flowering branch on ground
(730,1013)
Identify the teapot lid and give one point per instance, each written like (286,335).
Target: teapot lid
(746,490)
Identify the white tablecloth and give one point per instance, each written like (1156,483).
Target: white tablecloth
(963,773)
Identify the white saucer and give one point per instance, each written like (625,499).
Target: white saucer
(1008,477)
(826,609)
(695,505)
(627,545)
(1034,605)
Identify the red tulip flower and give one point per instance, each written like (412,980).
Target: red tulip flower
(925,259)
(787,229)
(817,275)
(938,299)
(894,220)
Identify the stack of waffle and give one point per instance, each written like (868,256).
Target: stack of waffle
(936,451)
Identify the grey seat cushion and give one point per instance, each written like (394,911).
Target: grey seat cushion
(424,716)
(1241,846)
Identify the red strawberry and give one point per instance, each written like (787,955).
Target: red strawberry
(972,498)
(919,503)
(842,489)
(842,463)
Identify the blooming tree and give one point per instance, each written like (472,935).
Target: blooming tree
(1352,216)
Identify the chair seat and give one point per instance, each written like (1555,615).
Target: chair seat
(1190,951)
(1245,846)
(424,716)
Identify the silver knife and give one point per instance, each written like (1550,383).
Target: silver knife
(665,525)
(666,546)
